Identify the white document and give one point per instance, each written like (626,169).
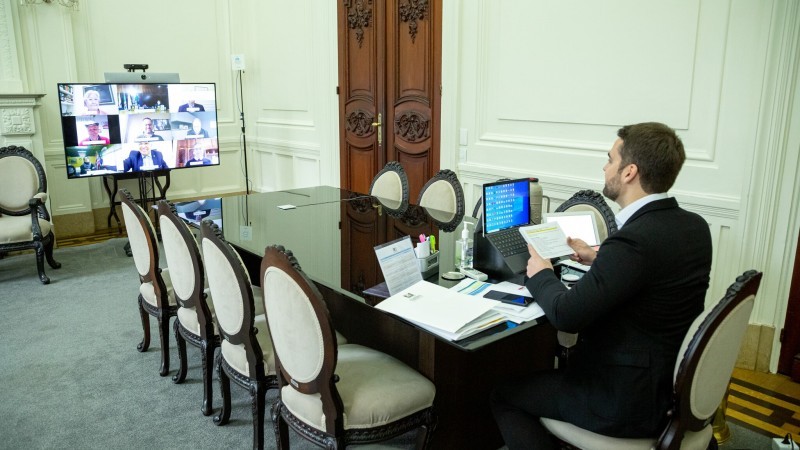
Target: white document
(399,264)
(514,313)
(548,239)
(442,311)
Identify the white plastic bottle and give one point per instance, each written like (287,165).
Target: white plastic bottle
(464,249)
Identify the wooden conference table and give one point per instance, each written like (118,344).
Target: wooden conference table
(332,233)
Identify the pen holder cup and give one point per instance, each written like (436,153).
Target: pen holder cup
(429,265)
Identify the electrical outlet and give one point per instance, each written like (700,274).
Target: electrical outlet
(784,443)
(246,233)
(237,62)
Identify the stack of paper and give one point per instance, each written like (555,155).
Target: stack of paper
(447,313)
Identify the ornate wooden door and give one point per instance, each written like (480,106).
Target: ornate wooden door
(389,108)
(389,89)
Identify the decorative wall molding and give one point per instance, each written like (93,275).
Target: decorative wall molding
(16,121)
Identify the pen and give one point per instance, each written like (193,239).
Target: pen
(433,243)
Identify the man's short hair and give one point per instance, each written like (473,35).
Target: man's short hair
(657,152)
(92,124)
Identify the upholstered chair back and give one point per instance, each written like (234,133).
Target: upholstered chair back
(21,178)
(232,296)
(588,200)
(141,234)
(709,351)
(443,199)
(390,187)
(307,359)
(182,256)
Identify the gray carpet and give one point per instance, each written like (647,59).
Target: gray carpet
(70,375)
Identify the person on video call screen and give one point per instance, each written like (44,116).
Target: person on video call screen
(191,106)
(148,131)
(144,159)
(94,137)
(198,157)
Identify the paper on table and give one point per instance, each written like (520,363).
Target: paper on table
(398,264)
(548,239)
(447,313)
(514,313)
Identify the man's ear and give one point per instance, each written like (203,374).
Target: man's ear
(630,172)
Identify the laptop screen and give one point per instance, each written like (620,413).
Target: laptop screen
(578,224)
(506,204)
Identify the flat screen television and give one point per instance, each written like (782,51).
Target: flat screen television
(112,128)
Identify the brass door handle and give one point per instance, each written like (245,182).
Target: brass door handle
(378,124)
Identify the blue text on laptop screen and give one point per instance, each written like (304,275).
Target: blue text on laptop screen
(506,205)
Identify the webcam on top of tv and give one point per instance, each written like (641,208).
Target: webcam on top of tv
(135,67)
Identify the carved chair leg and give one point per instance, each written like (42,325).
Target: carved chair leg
(259,392)
(145,344)
(180,376)
(163,335)
(426,432)
(40,263)
(280,427)
(225,390)
(207,354)
(48,252)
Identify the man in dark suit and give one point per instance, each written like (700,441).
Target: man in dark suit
(191,106)
(632,309)
(144,159)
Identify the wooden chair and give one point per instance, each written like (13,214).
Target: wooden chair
(443,200)
(334,394)
(246,354)
(390,188)
(156,297)
(702,372)
(24,219)
(194,322)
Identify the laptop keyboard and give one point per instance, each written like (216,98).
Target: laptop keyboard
(508,242)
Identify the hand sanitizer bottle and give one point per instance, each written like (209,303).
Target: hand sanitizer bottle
(464,249)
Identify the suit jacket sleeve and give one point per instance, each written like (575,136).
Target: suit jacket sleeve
(616,276)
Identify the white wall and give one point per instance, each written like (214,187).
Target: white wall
(538,88)
(288,86)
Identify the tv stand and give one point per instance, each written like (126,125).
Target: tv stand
(148,183)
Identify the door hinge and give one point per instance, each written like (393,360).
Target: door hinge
(780,339)
(440,90)
(337,90)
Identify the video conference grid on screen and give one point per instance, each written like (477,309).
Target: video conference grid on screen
(118,127)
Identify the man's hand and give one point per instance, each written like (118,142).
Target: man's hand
(536,263)
(583,253)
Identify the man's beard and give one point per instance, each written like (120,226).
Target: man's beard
(611,188)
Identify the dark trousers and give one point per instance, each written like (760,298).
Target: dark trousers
(518,404)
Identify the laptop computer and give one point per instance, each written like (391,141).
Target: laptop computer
(506,207)
(576,224)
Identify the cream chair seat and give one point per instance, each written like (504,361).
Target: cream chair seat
(24,219)
(702,372)
(156,295)
(330,393)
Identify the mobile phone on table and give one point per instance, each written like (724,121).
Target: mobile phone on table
(514,299)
